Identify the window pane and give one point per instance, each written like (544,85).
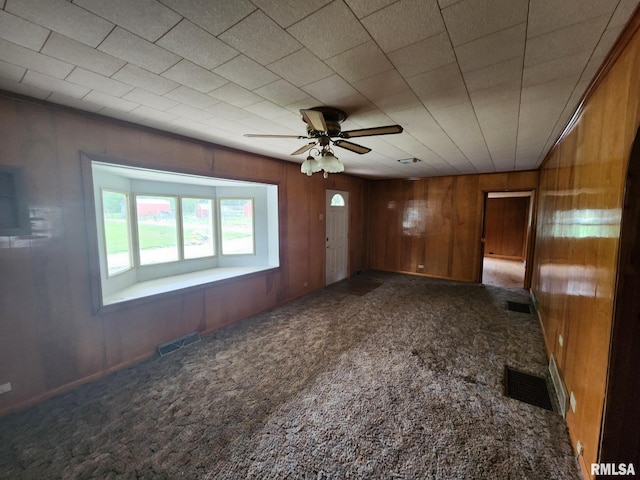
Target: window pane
(197,227)
(337,200)
(236,226)
(115,206)
(157,229)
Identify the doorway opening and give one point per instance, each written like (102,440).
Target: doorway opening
(506,232)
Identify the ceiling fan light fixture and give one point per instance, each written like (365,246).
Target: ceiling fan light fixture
(330,164)
(310,166)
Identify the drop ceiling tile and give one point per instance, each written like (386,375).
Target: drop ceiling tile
(428,54)
(139,77)
(140,52)
(441,87)
(195,44)
(77,53)
(148,19)
(281,92)
(330,90)
(27,58)
(288,12)
(245,72)
(546,16)
(623,13)
(192,98)
(557,68)
(11,72)
(63,17)
(495,48)
(392,103)
(404,23)
(460,124)
(45,82)
(147,112)
(110,102)
(265,109)
(606,42)
(559,89)
(566,41)
(301,68)
(330,31)
(362,8)
(445,98)
(95,81)
(142,97)
(23,89)
(73,102)
(360,62)
(194,76)
(473,19)
(496,74)
(507,92)
(230,112)
(260,38)
(383,84)
(22,32)
(236,95)
(186,111)
(214,17)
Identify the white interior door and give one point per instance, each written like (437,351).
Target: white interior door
(337,226)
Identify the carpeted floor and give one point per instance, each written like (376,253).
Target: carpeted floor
(403,382)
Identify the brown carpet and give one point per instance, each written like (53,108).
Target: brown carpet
(403,382)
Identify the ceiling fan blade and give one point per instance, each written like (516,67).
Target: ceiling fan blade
(354,147)
(315,119)
(259,135)
(304,148)
(367,132)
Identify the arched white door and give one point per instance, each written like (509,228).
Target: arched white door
(337,235)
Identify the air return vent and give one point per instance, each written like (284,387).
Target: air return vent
(558,385)
(178,343)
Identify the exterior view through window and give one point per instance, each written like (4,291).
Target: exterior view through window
(157,229)
(116,230)
(236,226)
(197,227)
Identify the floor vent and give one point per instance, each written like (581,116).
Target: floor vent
(519,307)
(178,343)
(558,385)
(527,388)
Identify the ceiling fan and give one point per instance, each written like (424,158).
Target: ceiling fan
(323,127)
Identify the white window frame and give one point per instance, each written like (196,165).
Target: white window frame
(141,282)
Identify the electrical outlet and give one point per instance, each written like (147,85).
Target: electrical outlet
(560,340)
(579,448)
(421,266)
(5,387)
(572,401)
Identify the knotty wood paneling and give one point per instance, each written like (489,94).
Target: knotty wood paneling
(578,241)
(506,226)
(52,339)
(434,222)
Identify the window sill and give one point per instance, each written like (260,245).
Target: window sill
(150,288)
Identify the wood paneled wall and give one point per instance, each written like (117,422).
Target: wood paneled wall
(51,339)
(434,222)
(505,227)
(578,237)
